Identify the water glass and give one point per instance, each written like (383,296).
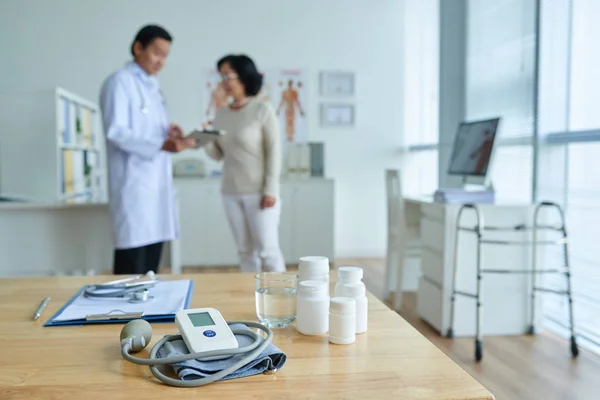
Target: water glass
(276,298)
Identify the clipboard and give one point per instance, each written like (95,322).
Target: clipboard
(205,136)
(112,312)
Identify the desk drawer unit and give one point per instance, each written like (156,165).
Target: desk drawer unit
(432,265)
(430,305)
(434,211)
(433,234)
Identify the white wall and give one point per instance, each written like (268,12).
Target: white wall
(75,44)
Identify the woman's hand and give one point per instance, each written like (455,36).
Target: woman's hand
(267,202)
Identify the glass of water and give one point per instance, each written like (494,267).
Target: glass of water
(276,298)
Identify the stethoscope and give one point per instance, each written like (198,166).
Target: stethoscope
(134,288)
(144,107)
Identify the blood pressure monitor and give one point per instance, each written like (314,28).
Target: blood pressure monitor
(204,329)
(207,336)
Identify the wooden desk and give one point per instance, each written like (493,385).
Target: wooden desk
(391,360)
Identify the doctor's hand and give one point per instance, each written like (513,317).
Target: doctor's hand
(175,131)
(267,202)
(175,145)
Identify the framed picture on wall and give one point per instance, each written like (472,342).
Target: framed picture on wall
(337,84)
(337,115)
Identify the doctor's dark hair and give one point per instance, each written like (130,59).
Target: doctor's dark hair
(148,33)
(247,72)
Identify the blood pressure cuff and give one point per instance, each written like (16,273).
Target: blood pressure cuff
(271,359)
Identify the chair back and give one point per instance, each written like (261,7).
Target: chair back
(395,201)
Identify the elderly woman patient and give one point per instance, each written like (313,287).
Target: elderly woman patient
(251,154)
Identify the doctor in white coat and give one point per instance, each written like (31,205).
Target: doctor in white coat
(139,139)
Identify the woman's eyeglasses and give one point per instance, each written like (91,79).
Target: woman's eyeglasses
(228,77)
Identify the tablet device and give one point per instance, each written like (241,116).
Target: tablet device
(205,136)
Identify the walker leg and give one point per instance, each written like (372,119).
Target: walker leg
(450,332)
(574,348)
(479,333)
(531,328)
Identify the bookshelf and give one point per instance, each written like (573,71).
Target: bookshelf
(51,147)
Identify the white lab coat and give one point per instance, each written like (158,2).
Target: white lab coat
(141,195)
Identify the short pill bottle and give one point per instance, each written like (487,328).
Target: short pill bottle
(342,320)
(312,308)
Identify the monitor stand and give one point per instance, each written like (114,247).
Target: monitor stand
(468,193)
(476,187)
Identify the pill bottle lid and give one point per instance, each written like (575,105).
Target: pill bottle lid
(313,287)
(350,273)
(342,305)
(313,265)
(353,290)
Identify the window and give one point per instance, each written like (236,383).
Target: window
(569,123)
(420,173)
(583,224)
(585,58)
(500,77)
(420,133)
(512,171)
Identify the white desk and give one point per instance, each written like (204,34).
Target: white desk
(58,238)
(48,238)
(206,239)
(505,297)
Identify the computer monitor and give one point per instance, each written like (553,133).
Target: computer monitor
(472,150)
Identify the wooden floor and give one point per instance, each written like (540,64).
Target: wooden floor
(513,367)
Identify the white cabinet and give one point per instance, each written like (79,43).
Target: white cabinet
(204,238)
(307,219)
(306,225)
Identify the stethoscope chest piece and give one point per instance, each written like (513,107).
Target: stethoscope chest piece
(141,296)
(134,289)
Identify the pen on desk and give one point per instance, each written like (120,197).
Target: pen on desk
(40,309)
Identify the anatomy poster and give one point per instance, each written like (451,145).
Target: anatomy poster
(287,91)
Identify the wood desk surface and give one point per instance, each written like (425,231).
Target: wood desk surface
(390,360)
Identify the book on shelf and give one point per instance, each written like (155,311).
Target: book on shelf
(76,124)
(305,160)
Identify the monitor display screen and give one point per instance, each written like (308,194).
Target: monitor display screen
(201,319)
(473,147)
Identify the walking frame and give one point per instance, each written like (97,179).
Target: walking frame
(478,230)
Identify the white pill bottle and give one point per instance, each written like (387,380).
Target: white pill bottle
(348,275)
(314,268)
(312,308)
(342,320)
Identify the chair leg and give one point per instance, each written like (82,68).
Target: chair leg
(390,271)
(399,280)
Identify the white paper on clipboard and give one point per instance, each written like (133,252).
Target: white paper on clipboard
(169,297)
(205,136)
